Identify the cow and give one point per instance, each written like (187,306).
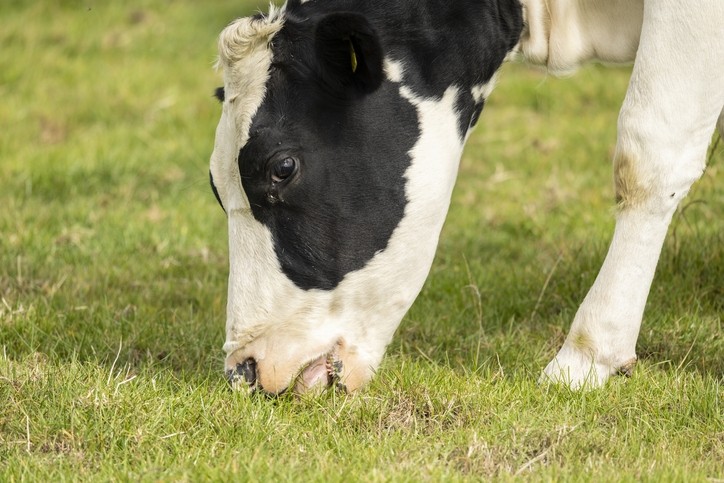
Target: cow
(342,126)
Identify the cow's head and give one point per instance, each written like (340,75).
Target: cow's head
(334,160)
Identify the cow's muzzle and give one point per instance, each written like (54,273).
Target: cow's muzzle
(323,372)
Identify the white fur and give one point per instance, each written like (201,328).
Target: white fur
(562,34)
(671,108)
(481,92)
(394,70)
(245,58)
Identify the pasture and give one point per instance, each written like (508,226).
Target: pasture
(113,266)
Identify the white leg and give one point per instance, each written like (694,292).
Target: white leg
(672,104)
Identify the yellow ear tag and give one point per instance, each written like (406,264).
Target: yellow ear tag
(353,57)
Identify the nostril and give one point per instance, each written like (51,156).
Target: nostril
(247,370)
(243,375)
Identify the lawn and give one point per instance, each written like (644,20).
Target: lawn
(113,266)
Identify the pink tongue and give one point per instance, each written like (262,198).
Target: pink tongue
(315,373)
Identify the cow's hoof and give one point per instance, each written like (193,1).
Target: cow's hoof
(628,367)
(580,370)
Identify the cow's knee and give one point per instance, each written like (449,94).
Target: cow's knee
(654,167)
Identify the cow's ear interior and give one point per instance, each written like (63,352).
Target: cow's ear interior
(349,53)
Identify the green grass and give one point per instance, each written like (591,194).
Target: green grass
(113,267)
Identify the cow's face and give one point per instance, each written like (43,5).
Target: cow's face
(335,177)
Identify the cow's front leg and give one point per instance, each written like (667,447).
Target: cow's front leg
(602,339)
(674,99)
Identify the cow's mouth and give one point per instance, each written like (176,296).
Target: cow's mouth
(322,372)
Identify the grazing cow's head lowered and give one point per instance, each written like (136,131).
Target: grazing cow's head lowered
(335,157)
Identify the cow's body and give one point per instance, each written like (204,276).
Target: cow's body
(338,147)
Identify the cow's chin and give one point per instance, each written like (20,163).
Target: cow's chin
(340,366)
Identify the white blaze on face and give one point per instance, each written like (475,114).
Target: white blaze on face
(245,57)
(255,278)
(268,317)
(271,320)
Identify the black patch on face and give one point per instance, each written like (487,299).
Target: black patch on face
(348,193)
(328,106)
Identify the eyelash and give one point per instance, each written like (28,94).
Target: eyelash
(219,94)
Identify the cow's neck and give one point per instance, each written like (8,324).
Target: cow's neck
(563,34)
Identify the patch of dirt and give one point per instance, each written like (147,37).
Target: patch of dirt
(52,131)
(480,459)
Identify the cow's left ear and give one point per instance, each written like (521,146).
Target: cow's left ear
(349,53)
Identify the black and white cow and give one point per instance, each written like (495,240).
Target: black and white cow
(338,146)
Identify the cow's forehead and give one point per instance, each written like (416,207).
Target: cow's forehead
(245,56)
(247,35)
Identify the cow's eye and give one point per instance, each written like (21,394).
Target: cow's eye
(283,169)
